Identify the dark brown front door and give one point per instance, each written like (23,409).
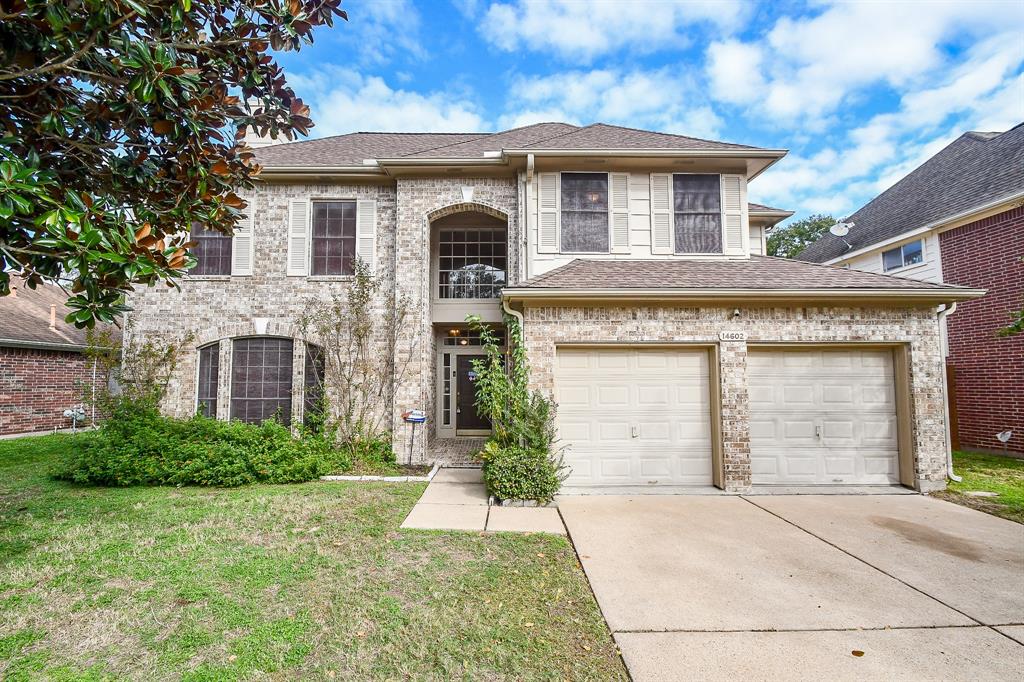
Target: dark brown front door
(466,418)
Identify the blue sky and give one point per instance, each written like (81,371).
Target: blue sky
(859,92)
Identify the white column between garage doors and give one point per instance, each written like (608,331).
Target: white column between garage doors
(635,416)
(821,416)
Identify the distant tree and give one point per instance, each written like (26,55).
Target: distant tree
(122,123)
(791,239)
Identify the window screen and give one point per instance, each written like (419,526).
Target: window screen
(261,379)
(312,407)
(698,213)
(212,252)
(471,263)
(334,238)
(585,212)
(209,372)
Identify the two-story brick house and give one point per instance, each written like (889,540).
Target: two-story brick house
(678,356)
(959,218)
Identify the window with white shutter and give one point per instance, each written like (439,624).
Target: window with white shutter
(584,215)
(298,237)
(697,213)
(547,205)
(619,212)
(242,241)
(734,208)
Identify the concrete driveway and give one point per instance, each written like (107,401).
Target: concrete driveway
(788,587)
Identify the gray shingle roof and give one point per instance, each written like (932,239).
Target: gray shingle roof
(764,273)
(352,149)
(973,170)
(25,318)
(759,208)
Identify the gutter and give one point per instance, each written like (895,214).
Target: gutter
(945,295)
(959,218)
(42,345)
(707,153)
(940,316)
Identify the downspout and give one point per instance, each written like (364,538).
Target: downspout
(516,314)
(526,221)
(944,350)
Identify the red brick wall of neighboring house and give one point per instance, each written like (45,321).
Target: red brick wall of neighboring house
(36,386)
(989,369)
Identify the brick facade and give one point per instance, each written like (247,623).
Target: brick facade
(547,327)
(989,369)
(37,385)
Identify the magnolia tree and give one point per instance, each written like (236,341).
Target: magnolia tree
(122,123)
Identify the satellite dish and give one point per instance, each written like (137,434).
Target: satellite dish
(840,229)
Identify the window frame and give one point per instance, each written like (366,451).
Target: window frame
(288,415)
(608,210)
(721,218)
(435,249)
(903,264)
(219,236)
(199,377)
(312,201)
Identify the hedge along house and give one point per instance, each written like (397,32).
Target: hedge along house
(678,356)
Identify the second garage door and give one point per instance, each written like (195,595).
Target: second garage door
(822,417)
(632,416)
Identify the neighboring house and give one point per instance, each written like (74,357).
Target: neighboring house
(43,371)
(676,357)
(958,218)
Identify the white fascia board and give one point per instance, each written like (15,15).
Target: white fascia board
(942,225)
(709,153)
(943,294)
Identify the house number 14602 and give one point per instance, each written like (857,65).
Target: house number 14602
(732,336)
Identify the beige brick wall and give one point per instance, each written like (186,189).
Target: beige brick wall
(549,326)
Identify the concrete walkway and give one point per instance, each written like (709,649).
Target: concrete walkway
(456,499)
(789,587)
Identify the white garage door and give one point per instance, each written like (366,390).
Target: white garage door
(822,417)
(634,416)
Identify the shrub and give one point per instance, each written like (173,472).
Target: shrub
(520,460)
(518,473)
(138,446)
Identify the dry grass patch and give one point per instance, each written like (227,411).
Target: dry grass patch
(312,581)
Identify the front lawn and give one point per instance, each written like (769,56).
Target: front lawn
(292,581)
(989,473)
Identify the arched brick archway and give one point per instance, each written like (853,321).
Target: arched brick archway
(466,207)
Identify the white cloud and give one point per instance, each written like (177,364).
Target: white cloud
(660,99)
(586,29)
(379,30)
(805,69)
(344,102)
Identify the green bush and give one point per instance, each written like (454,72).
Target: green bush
(517,473)
(138,446)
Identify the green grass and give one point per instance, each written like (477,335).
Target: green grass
(312,581)
(992,473)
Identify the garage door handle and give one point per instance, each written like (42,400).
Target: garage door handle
(817,432)
(636,432)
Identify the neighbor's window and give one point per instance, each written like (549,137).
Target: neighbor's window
(312,406)
(261,379)
(212,252)
(902,256)
(585,212)
(334,238)
(698,213)
(209,372)
(471,263)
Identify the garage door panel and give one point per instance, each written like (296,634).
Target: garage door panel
(845,433)
(660,395)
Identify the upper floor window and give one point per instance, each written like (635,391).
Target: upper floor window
(472,256)
(902,256)
(333,236)
(584,213)
(697,208)
(212,252)
(261,379)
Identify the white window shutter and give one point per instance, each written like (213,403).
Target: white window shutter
(548,218)
(618,209)
(734,215)
(298,237)
(366,232)
(242,241)
(661,213)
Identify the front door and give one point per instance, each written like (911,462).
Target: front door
(467,421)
